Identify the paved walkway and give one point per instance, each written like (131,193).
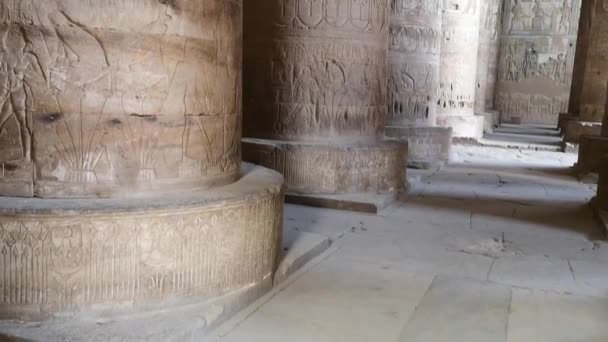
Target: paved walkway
(499,246)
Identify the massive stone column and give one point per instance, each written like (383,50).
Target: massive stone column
(487,61)
(413,82)
(120,129)
(459,69)
(590,89)
(537,55)
(315,95)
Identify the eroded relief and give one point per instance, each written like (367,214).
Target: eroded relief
(100,101)
(537,56)
(414,51)
(459,57)
(317,69)
(487,57)
(70,264)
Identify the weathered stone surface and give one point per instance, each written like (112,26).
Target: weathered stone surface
(593,93)
(537,56)
(459,68)
(315,94)
(487,55)
(574,129)
(592,149)
(73,256)
(315,70)
(414,52)
(114,98)
(123,120)
(427,146)
(324,168)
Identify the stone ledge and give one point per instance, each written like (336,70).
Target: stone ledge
(428,147)
(332,168)
(591,150)
(574,129)
(115,257)
(299,248)
(463,126)
(362,202)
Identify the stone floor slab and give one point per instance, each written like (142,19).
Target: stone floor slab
(460,310)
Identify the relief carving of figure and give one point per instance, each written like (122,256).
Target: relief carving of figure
(538,22)
(15,62)
(519,15)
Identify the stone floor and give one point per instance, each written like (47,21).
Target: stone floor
(498,246)
(534,137)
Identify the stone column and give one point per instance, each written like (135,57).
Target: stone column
(413,83)
(537,56)
(120,123)
(590,89)
(459,69)
(593,148)
(315,95)
(487,62)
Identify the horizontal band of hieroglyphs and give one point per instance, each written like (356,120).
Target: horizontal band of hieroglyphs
(424,40)
(370,15)
(414,7)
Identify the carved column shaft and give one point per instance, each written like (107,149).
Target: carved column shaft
(413,84)
(459,68)
(315,94)
(103,101)
(537,56)
(97,103)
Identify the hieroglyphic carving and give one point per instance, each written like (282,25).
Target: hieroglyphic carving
(487,57)
(332,169)
(459,58)
(537,56)
(415,45)
(51,264)
(78,75)
(316,69)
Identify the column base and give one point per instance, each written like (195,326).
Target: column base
(563,119)
(601,215)
(332,169)
(428,147)
(491,120)
(464,126)
(592,149)
(574,129)
(107,258)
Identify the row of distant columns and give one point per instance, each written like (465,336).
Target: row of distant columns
(325,81)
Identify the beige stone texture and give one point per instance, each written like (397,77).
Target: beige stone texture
(428,147)
(487,55)
(538,44)
(322,168)
(414,56)
(315,94)
(115,256)
(114,98)
(460,41)
(120,138)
